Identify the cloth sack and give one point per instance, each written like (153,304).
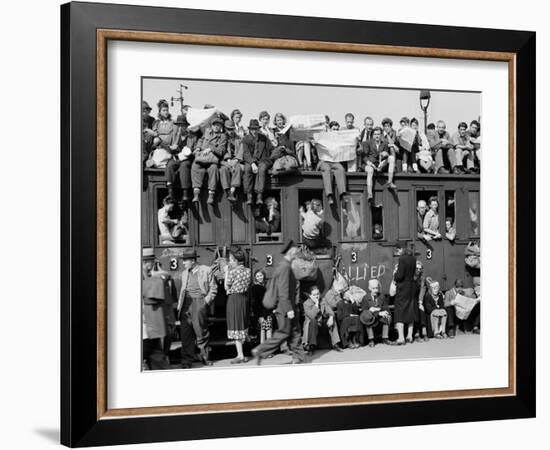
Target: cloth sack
(473,256)
(287,162)
(159,158)
(305,266)
(355,294)
(206,158)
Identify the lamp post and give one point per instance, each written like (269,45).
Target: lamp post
(425,97)
(180,98)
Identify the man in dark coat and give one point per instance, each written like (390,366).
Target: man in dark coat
(282,292)
(404,311)
(257,150)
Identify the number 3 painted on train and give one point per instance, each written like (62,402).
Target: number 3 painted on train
(428,254)
(173,264)
(353,257)
(268,260)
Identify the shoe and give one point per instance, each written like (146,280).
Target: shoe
(371,344)
(186,366)
(442,171)
(426,338)
(475,330)
(206,361)
(337,348)
(249,199)
(458,170)
(386,341)
(409,340)
(444,335)
(185,195)
(391,185)
(452,334)
(296,361)
(398,342)
(210,200)
(259,199)
(239,360)
(231,197)
(330,199)
(438,336)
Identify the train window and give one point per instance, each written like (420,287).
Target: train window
(172,220)
(377,215)
(423,199)
(311,217)
(450,215)
(404,215)
(353,228)
(474,209)
(267,218)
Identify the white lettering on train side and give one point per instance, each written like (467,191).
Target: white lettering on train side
(368,271)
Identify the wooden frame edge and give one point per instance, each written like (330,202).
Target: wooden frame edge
(104,35)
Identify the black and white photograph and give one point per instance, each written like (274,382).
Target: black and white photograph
(288,224)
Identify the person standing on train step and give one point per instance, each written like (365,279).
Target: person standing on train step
(237,282)
(231,168)
(281,291)
(404,308)
(209,152)
(257,150)
(198,290)
(464,149)
(328,168)
(377,157)
(442,149)
(158,296)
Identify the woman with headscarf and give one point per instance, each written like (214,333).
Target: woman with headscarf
(237,282)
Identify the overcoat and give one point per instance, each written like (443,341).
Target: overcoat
(404,310)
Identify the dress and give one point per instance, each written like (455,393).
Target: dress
(405,299)
(238,282)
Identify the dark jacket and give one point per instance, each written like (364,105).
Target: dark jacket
(284,145)
(346,308)
(382,302)
(362,135)
(371,153)
(404,278)
(282,288)
(430,304)
(256,149)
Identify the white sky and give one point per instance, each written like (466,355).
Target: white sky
(253,97)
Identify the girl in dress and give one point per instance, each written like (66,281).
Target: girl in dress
(262,314)
(237,283)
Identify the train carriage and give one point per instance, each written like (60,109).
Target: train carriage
(362,235)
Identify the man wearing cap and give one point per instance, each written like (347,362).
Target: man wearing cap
(158,297)
(377,157)
(257,150)
(281,291)
(198,290)
(375,308)
(209,152)
(231,169)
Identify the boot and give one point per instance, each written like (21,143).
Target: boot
(196,193)
(231,196)
(185,195)
(249,199)
(259,199)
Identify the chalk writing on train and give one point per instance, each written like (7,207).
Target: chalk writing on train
(365,271)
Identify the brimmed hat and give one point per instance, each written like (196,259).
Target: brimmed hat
(367,318)
(147,253)
(217,120)
(145,105)
(229,125)
(254,124)
(181,120)
(188,253)
(387,120)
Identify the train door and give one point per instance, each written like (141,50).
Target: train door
(431,252)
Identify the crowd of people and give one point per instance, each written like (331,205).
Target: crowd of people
(228,154)
(413,310)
